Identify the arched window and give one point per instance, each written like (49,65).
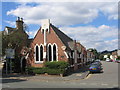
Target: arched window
(54,52)
(37,53)
(49,53)
(41,53)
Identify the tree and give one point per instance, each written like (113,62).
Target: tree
(101,57)
(94,52)
(16,40)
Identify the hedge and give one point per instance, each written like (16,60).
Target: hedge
(50,68)
(43,70)
(57,65)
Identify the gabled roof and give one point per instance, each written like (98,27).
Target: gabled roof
(10,30)
(63,37)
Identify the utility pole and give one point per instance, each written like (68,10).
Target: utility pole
(6,67)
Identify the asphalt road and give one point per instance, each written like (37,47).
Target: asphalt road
(107,79)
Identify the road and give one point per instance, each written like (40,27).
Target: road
(107,79)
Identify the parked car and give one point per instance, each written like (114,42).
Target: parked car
(95,68)
(108,60)
(97,62)
(118,61)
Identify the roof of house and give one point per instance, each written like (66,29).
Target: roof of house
(12,30)
(67,41)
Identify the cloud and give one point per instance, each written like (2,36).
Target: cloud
(63,13)
(61,1)
(10,23)
(110,10)
(103,37)
(32,33)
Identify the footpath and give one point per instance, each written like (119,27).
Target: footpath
(82,73)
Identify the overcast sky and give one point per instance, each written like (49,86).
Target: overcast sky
(93,24)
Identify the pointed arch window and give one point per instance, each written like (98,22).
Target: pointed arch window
(41,53)
(49,53)
(37,53)
(54,52)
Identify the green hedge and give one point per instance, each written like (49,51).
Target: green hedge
(43,70)
(57,65)
(50,68)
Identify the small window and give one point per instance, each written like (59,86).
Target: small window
(54,53)
(49,53)
(41,53)
(37,53)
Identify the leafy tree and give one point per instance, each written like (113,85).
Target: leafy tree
(95,52)
(101,57)
(16,40)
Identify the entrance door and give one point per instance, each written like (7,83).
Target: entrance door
(23,64)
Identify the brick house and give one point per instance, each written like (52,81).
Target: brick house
(51,44)
(90,56)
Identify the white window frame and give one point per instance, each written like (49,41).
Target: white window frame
(35,53)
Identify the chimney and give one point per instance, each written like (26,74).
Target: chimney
(45,23)
(19,23)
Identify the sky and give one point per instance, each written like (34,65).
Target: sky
(93,24)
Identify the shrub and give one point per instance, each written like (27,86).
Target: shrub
(54,71)
(50,68)
(43,70)
(39,70)
(57,65)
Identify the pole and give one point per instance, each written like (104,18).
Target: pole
(10,66)
(21,63)
(6,67)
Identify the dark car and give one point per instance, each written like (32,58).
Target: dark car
(118,61)
(97,62)
(95,68)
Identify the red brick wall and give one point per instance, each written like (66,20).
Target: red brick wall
(51,38)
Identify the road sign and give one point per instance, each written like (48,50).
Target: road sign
(10,53)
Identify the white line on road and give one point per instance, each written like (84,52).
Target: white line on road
(88,76)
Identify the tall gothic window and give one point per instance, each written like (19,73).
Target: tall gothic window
(49,53)
(54,52)
(37,53)
(41,53)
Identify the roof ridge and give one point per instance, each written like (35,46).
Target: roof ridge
(61,32)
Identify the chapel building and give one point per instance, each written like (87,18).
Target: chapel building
(51,44)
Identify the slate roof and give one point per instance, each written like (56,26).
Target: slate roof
(10,29)
(67,41)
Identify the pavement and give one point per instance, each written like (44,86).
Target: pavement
(81,73)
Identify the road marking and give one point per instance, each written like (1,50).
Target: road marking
(88,76)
